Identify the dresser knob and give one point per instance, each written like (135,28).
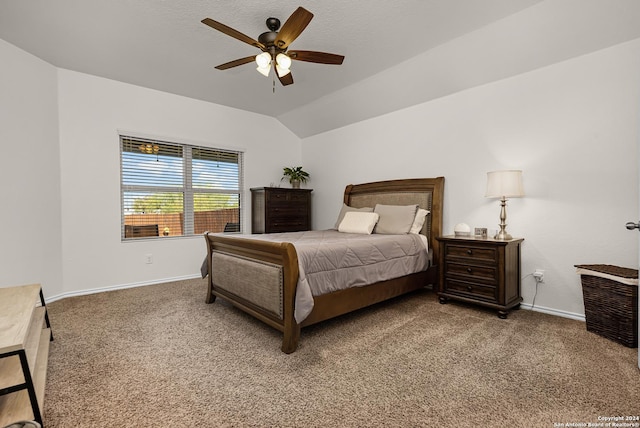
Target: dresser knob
(469,252)
(469,269)
(469,288)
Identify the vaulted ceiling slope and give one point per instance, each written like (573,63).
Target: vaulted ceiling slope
(397,54)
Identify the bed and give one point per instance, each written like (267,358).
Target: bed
(261,274)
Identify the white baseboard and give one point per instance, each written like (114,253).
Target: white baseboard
(527,306)
(556,312)
(117,287)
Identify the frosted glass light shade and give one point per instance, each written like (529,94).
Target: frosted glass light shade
(263,59)
(264,70)
(282,71)
(507,184)
(283,61)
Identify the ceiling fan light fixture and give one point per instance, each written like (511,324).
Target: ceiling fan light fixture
(263,60)
(274,44)
(282,71)
(264,70)
(283,61)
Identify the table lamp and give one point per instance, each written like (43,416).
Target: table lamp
(504,184)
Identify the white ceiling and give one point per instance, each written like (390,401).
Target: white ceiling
(390,48)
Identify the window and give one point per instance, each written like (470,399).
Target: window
(171,189)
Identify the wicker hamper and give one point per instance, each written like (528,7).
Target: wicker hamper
(611,302)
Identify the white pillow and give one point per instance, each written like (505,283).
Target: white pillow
(395,219)
(346,208)
(358,222)
(418,222)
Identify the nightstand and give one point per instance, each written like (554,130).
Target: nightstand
(483,271)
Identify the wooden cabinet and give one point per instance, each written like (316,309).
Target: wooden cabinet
(275,209)
(484,271)
(25,333)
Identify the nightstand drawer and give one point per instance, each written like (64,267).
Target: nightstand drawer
(470,289)
(478,253)
(486,273)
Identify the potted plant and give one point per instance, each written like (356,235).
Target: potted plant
(295,175)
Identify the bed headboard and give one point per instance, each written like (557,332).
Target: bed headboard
(427,193)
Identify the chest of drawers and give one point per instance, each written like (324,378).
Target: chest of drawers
(275,209)
(483,271)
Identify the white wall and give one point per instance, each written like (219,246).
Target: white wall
(30,242)
(571,127)
(92,110)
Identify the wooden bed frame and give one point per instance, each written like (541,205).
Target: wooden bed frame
(426,192)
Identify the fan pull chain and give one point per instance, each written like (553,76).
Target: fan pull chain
(274,84)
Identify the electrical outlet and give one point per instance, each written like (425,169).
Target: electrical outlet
(539,275)
(148,258)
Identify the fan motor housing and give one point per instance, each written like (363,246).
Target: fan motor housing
(268,39)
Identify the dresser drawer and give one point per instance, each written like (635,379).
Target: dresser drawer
(471,272)
(286,225)
(287,198)
(471,290)
(276,196)
(299,197)
(288,210)
(477,253)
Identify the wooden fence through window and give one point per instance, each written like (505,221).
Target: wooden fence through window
(171,224)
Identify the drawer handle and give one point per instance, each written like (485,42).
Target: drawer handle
(469,251)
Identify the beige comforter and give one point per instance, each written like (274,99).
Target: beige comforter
(330,260)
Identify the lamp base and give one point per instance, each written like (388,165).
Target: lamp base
(502,236)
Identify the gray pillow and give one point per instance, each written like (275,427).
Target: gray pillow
(395,219)
(346,208)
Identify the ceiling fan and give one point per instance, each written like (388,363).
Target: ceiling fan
(274,45)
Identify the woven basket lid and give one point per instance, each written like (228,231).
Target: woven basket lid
(622,272)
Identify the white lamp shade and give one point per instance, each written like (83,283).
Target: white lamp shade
(506,184)
(283,61)
(263,59)
(282,71)
(264,70)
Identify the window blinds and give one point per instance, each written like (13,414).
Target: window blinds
(171,189)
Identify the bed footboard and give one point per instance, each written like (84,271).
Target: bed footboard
(257,277)
(260,277)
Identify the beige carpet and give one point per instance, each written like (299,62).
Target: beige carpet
(158,356)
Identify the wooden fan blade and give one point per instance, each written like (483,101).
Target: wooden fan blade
(233,33)
(286,80)
(319,57)
(236,62)
(291,29)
